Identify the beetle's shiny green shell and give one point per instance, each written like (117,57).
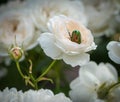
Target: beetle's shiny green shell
(76,36)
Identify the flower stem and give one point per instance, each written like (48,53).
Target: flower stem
(18,67)
(46,71)
(36,85)
(34,81)
(114,86)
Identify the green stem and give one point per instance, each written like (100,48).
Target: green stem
(34,81)
(32,78)
(31,84)
(36,85)
(18,67)
(114,86)
(46,71)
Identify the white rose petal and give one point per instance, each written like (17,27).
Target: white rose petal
(114,51)
(51,49)
(75,59)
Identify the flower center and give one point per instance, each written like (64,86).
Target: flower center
(105,91)
(75,36)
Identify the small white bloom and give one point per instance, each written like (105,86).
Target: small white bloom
(91,76)
(100,15)
(42,95)
(16,22)
(43,10)
(58,44)
(114,51)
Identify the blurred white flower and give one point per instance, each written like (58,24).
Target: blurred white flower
(117,13)
(92,78)
(117,2)
(42,95)
(118,17)
(3,72)
(6,60)
(16,22)
(100,15)
(11,5)
(43,10)
(114,51)
(58,44)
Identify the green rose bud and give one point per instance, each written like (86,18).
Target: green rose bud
(16,53)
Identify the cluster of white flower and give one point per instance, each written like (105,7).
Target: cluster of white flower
(61,30)
(42,95)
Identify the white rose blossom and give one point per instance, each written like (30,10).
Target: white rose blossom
(114,51)
(16,22)
(42,95)
(92,82)
(100,14)
(58,44)
(43,10)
